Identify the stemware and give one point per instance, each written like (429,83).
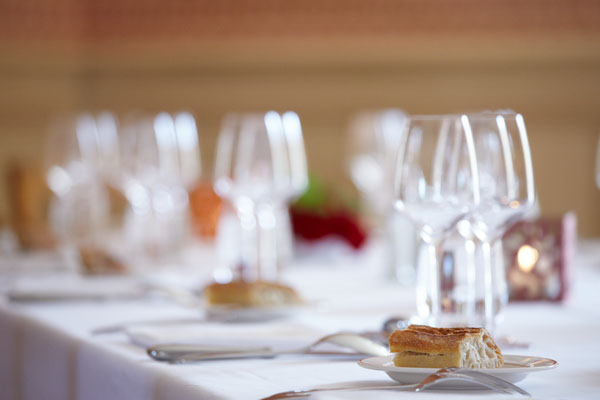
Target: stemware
(159,161)
(184,127)
(78,158)
(374,137)
(296,153)
(507,193)
(260,166)
(436,186)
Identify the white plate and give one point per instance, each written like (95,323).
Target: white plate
(514,370)
(226,313)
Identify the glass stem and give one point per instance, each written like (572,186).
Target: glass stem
(470,247)
(390,248)
(248,266)
(488,292)
(266,242)
(436,253)
(499,278)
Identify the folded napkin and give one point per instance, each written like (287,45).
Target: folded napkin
(32,263)
(65,287)
(277,335)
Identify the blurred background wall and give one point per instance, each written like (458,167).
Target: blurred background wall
(325,60)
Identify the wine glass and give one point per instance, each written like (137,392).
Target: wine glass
(160,158)
(184,126)
(436,186)
(298,184)
(77,157)
(260,166)
(507,193)
(374,137)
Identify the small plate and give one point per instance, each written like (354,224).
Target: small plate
(514,370)
(228,313)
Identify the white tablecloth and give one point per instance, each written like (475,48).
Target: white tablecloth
(48,352)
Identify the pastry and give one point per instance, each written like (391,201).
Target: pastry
(251,294)
(426,347)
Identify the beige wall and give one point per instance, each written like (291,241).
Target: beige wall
(325,60)
(559,99)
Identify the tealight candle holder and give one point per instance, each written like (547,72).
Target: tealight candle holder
(539,255)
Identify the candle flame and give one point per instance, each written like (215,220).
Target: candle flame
(527,256)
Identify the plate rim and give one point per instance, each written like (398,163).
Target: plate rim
(364,363)
(234,313)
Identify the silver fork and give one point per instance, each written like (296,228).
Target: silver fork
(490,381)
(184,353)
(442,375)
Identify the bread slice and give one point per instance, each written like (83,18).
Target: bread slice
(251,294)
(422,346)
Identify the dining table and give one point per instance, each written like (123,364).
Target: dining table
(64,335)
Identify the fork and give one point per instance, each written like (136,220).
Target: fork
(185,353)
(442,375)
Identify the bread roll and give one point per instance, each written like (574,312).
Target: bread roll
(251,294)
(422,346)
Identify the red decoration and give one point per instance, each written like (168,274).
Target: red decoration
(313,226)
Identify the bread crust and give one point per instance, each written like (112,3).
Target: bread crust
(425,346)
(250,294)
(426,339)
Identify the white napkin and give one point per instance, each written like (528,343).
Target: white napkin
(277,335)
(74,287)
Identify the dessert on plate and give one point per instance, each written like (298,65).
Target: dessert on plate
(422,346)
(251,294)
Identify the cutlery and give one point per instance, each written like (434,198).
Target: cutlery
(491,381)
(138,292)
(183,353)
(27,297)
(442,375)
